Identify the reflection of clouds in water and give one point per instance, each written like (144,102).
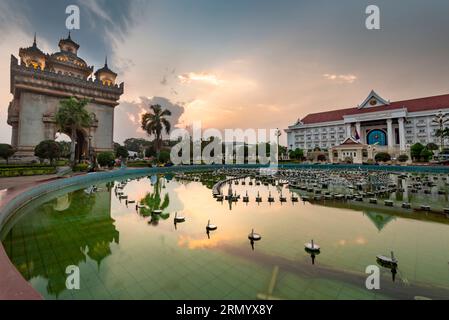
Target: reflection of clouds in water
(203,243)
(360,240)
(357,241)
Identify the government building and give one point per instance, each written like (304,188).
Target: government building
(38,83)
(376,125)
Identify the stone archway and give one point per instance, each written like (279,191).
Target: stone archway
(82,147)
(82,144)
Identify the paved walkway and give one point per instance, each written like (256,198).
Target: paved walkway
(14,182)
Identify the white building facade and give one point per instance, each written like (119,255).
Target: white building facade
(389,126)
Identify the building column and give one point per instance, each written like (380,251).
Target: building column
(15,134)
(358,127)
(348,130)
(390,134)
(401,134)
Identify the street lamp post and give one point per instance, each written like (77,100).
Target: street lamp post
(278,135)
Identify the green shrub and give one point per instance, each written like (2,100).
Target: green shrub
(106,159)
(297,154)
(382,157)
(164,156)
(139,164)
(121,152)
(26,171)
(6,151)
(62,163)
(403,158)
(24,165)
(47,149)
(426,154)
(415,151)
(80,167)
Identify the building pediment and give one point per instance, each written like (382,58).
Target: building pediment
(373,100)
(350,141)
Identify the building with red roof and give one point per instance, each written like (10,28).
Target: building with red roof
(376,122)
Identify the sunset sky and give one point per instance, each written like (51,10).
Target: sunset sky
(241,63)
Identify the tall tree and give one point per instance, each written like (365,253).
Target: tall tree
(440,120)
(73,116)
(136,144)
(154,123)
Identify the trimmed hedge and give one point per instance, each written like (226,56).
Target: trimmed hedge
(26,171)
(32,166)
(138,164)
(80,167)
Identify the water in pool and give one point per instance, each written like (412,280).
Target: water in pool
(124,252)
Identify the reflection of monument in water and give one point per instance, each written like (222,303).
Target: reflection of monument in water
(380,220)
(45,242)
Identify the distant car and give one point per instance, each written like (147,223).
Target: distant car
(169,164)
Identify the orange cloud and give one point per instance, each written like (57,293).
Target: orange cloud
(204,77)
(347,78)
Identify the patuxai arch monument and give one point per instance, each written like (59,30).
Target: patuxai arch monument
(38,83)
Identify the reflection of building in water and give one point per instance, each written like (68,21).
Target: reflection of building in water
(47,240)
(62,203)
(380,220)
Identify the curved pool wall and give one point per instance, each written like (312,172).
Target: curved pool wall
(9,290)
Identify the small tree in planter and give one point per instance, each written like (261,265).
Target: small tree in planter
(105,159)
(6,151)
(403,158)
(122,153)
(426,155)
(382,157)
(415,151)
(164,156)
(47,149)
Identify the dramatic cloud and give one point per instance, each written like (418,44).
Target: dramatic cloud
(128,116)
(96,8)
(272,65)
(342,78)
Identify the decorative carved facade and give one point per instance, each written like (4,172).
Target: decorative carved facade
(39,81)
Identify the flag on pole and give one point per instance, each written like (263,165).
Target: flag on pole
(357,137)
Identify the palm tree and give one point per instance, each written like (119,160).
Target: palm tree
(153,201)
(154,122)
(73,116)
(441,119)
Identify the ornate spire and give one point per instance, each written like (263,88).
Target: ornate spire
(34,42)
(106,61)
(69,37)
